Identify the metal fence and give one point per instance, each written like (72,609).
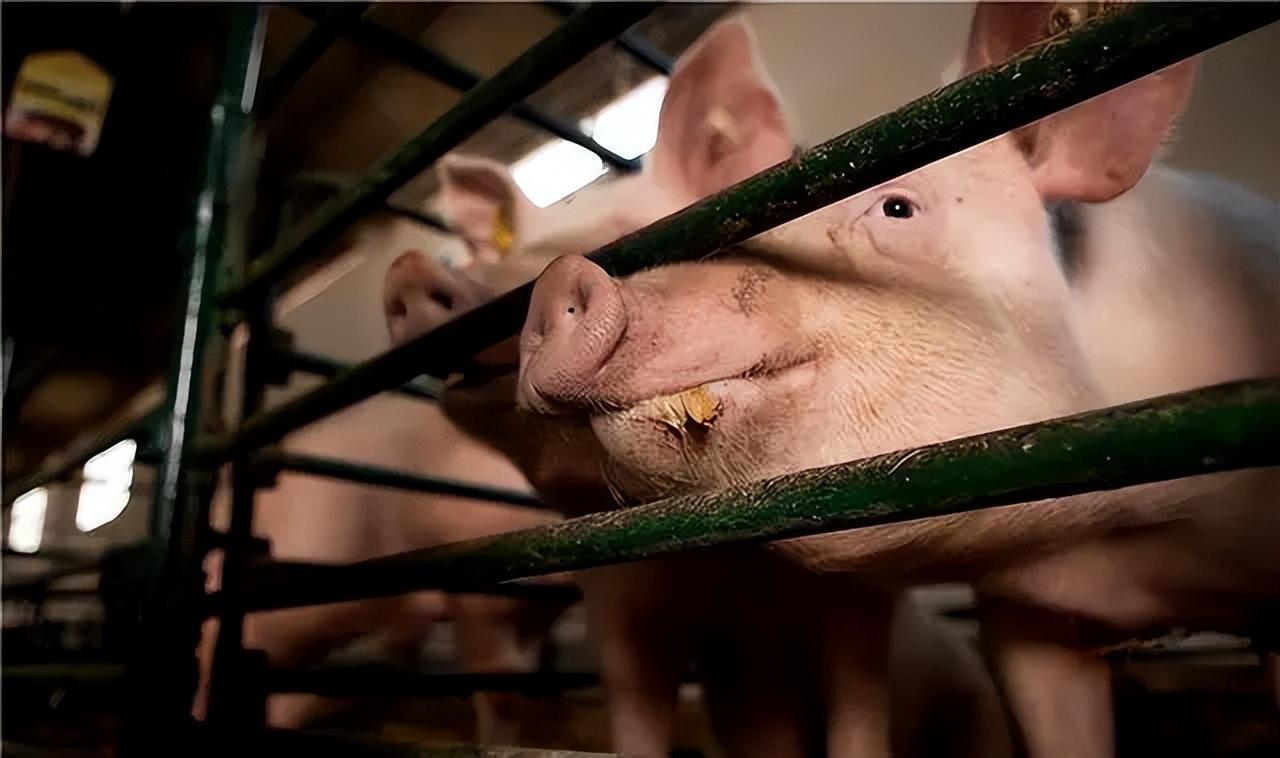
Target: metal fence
(1214,429)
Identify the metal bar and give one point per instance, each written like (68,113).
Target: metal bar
(41,582)
(1225,427)
(274,572)
(377,476)
(161,669)
(327,30)
(43,593)
(319,365)
(1103,53)
(231,702)
(638,47)
(49,554)
(456,76)
(421,217)
(478,106)
(383,681)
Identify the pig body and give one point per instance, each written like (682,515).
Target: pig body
(936,306)
(791,662)
(318,520)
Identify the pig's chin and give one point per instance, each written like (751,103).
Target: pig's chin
(706,436)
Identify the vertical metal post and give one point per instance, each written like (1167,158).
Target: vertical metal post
(236,697)
(161,675)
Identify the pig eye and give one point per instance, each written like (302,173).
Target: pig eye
(896,206)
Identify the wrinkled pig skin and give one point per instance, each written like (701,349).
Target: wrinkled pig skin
(789,660)
(935,306)
(325,521)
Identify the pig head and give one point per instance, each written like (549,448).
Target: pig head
(709,137)
(931,307)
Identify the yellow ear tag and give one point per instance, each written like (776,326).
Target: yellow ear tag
(60,100)
(502,236)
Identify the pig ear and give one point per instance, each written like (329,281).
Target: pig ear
(721,120)
(999,30)
(1102,147)
(482,203)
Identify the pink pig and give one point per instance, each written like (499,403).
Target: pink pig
(788,659)
(318,520)
(1037,275)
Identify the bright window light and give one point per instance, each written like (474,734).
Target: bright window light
(629,125)
(105,492)
(554,171)
(26,520)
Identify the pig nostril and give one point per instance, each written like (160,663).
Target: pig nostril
(397,308)
(444,299)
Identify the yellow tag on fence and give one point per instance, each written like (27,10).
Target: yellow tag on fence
(60,100)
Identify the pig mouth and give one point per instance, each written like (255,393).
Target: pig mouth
(695,411)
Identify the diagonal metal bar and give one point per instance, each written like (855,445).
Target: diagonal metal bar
(554,54)
(328,29)
(1221,428)
(383,477)
(1103,53)
(638,47)
(319,365)
(421,217)
(453,74)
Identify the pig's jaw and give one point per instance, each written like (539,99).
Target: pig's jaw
(710,435)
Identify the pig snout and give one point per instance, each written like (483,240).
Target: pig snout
(420,294)
(576,320)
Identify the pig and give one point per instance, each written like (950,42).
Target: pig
(1043,273)
(774,644)
(326,521)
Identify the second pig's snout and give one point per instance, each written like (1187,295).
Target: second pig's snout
(420,294)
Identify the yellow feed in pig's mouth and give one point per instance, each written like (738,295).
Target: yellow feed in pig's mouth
(693,409)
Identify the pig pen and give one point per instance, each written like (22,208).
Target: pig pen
(193,431)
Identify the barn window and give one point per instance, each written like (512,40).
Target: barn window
(105,491)
(628,126)
(26,520)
